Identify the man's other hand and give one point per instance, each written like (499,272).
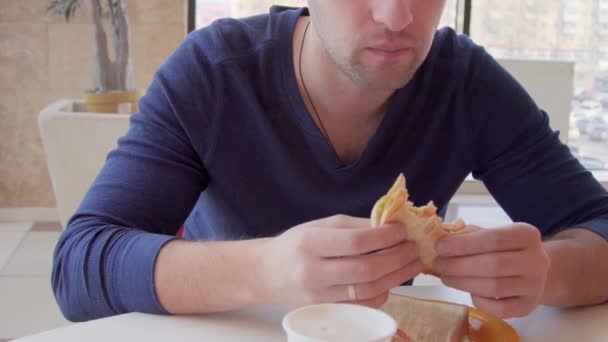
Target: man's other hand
(504,269)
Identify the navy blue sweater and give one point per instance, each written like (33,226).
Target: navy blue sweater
(223,143)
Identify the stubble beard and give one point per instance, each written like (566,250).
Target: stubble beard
(388,76)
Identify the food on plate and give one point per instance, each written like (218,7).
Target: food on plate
(425,321)
(421,223)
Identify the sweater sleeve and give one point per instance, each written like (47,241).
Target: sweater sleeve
(531,174)
(104,261)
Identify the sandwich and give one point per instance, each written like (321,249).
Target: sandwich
(425,321)
(422,225)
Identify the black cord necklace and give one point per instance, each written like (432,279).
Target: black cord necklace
(314,109)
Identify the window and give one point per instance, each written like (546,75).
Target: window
(450,14)
(557,30)
(207,11)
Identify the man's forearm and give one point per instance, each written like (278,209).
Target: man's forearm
(200,277)
(578,274)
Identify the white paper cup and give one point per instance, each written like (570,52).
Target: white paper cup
(337,323)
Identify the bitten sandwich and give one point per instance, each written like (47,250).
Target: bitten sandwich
(421,223)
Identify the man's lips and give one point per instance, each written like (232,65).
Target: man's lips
(389,51)
(390,48)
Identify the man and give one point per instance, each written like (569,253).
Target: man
(258,132)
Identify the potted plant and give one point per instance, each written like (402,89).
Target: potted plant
(112,80)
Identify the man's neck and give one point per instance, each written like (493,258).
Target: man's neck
(347,114)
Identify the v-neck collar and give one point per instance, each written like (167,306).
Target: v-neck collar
(320,146)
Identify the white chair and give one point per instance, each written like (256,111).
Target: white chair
(551,85)
(76,144)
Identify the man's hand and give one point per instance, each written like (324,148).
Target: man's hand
(505,269)
(337,259)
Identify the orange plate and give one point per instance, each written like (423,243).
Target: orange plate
(484,327)
(491,329)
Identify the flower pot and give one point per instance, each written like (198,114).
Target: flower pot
(124,102)
(76,143)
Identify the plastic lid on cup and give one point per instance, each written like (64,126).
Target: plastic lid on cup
(337,323)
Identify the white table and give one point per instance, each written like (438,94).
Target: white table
(264,324)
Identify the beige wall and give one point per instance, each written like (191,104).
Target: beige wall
(42,58)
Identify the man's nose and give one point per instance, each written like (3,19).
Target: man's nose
(396,15)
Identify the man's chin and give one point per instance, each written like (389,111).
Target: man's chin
(388,83)
(388,78)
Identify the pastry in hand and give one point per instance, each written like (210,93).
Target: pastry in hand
(422,225)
